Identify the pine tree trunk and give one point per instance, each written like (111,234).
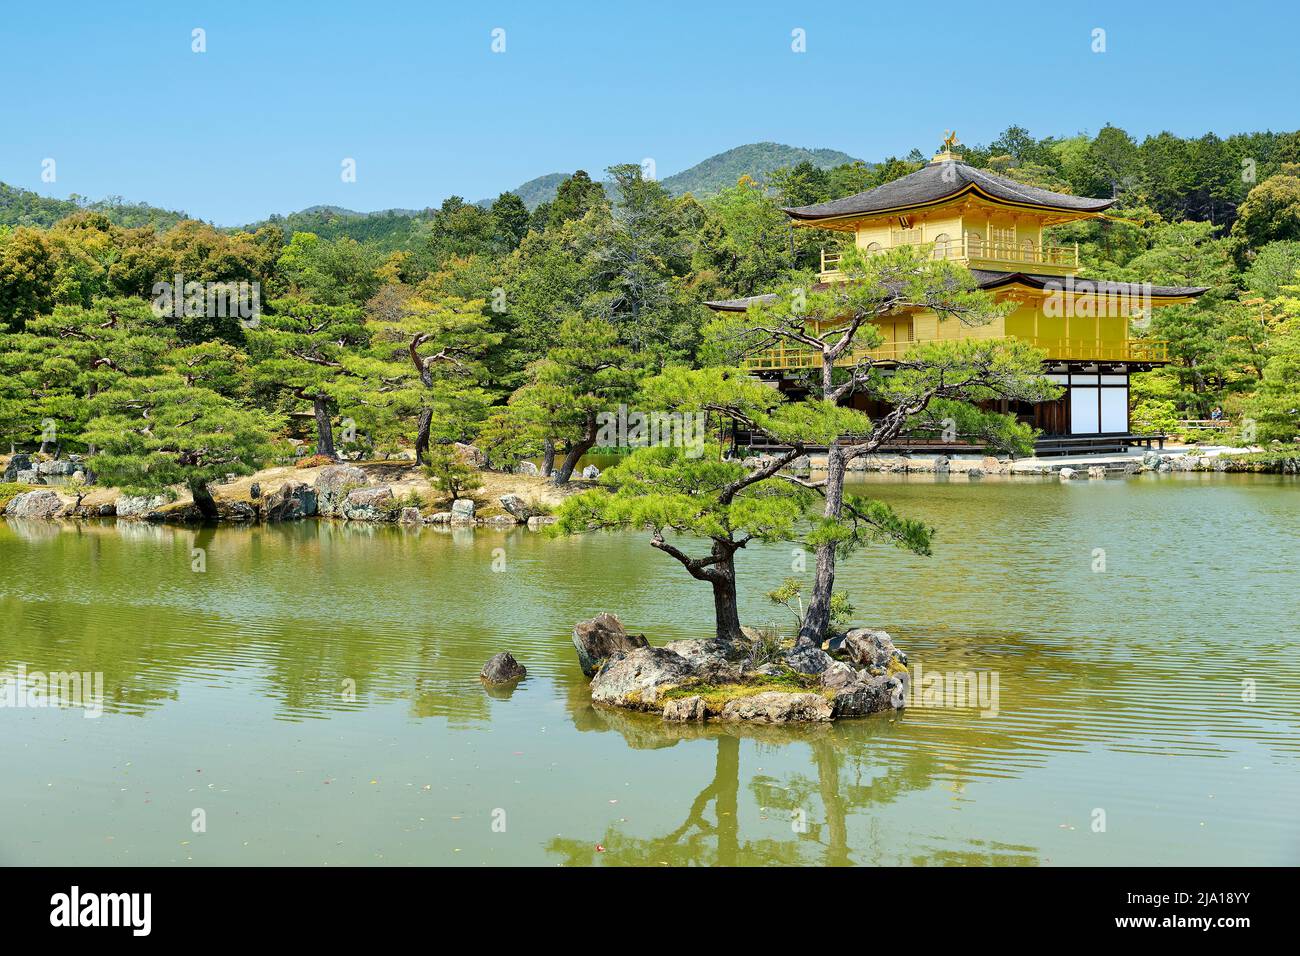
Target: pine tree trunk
(577,450)
(725,608)
(817,619)
(548,457)
(203,500)
(422,436)
(324,430)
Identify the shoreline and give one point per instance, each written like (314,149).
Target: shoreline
(397,492)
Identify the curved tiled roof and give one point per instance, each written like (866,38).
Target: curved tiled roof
(988,279)
(939,181)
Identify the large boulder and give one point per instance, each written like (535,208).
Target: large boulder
(292,500)
(604,636)
(684,709)
(462,510)
(778,707)
(35,504)
(526,468)
(517,508)
(368,504)
(410,516)
(701,652)
(236,511)
(19,461)
(869,694)
(502,669)
(470,454)
(333,485)
(538,522)
(56,466)
(137,506)
(635,678)
(868,647)
(838,675)
(807,659)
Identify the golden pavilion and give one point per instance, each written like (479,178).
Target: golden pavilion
(996,226)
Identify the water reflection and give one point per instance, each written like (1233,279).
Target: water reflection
(1122,690)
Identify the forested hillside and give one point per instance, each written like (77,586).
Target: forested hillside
(473,322)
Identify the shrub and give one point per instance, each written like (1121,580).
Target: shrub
(314,461)
(450,473)
(9,490)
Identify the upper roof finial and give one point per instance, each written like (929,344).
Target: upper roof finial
(946,155)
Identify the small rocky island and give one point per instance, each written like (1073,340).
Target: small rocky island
(753,677)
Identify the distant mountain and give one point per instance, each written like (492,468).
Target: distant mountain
(710,177)
(388,229)
(393,228)
(756,160)
(22,207)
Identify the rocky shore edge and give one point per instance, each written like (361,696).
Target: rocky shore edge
(753,677)
(342,491)
(1152,461)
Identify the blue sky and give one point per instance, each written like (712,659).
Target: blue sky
(261,122)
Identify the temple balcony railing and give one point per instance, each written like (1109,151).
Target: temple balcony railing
(972,250)
(789,358)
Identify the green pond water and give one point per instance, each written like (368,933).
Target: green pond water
(228,693)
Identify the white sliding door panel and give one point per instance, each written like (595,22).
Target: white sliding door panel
(1083,411)
(1114,409)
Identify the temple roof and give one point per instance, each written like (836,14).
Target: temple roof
(987,279)
(945,180)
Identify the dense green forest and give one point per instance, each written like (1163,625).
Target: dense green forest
(451,323)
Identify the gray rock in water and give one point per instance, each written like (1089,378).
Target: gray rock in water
(538,522)
(410,516)
(1065,474)
(441,517)
(56,466)
(368,504)
(778,707)
(591,473)
(333,485)
(503,522)
(868,647)
(1096,471)
(462,508)
(519,509)
(604,636)
(236,511)
(634,678)
(35,504)
(838,675)
(135,506)
(291,501)
(502,669)
(868,695)
(19,461)
(942,465)
(700,651)
(684,709)
(807,659)
(29,477)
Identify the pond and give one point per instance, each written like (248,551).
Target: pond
(308,694)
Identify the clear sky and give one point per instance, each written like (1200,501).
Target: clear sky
(414,93)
